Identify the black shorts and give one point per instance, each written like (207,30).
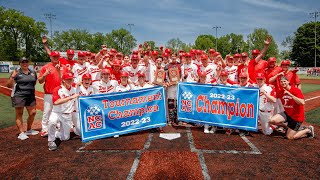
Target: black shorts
(292,124)
(23,101)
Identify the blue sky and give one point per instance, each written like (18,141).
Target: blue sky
(161,20)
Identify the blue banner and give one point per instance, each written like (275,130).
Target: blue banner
(106,115)
(223,106)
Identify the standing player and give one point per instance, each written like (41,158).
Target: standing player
(267,100)
(80,68)
(63,99)
(93,68)
(210,69)
(134,69)
(50,75)
(189,70)
(105,85)
(293,103)
(232,69)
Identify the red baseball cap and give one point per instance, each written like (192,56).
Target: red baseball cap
(86,76)
(154,53)
(192,51)
(168,51)
(119,54)
(212,50)
(114,51)
(134,57)
(285,62)
(237,55)
(244,54)
(243,74)
(260,76)
(165,54)
(204,57)
(135,52)
(81,54)
(105,71)
(116,63)
(70,52)
(187,54)
(67,76)
(88,53)
(272,59)
(55,54)
(93,55)
(123,73)
(216,54)
(141,74)
(230,58)
(224,73)
(255,52)
(198,51)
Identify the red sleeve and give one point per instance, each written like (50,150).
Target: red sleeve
(213,80)
(55,94)
(231,82)
(297,92)
(43,70)
(297,79)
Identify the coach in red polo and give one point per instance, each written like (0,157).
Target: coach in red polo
(50,75)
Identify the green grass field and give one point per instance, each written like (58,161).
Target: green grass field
(304,76)
(7,112)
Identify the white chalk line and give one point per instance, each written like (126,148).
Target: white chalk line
(11,90)
(311,98)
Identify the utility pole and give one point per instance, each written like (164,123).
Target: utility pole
(216,27)
(315,15)
(50,16)
(130,26)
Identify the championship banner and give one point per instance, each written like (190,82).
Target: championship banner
(223,106)
(107,115)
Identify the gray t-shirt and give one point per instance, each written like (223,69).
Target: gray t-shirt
(25,83)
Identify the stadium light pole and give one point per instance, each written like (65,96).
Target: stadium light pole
(315,15)
(130,25)
(50,16)
(216,27)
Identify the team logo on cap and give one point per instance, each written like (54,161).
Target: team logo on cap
(94,118)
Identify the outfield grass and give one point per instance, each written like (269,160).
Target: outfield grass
(304,76)
(7,112)
(306,88)
(313,116)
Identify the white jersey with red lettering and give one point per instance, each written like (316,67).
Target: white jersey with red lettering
(133,72)
(265,104)
(82,91)
(61,92)
(211,71)
(191,69)
(121,88)
(233,73)
(196,62)
(78,70)
(95,72)
(104,87)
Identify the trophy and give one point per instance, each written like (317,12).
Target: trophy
(174,75)
(159,77)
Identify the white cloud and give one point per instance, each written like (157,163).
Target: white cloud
(275,5)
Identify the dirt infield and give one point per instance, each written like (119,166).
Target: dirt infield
(145,155)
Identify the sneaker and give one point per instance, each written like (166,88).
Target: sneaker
(52,145)
(213,130)
(311,131)
(32,132)
(116,136)
(23,136)
(44,133)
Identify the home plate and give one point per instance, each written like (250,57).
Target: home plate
(170,136)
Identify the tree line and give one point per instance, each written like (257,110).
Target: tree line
(20,35)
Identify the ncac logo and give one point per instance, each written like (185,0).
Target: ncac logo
(94,118)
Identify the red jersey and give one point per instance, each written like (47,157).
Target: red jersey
(294,110)
(53,79)
(68,63)
(251,69)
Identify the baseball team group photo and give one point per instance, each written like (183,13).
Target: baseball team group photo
(85,104)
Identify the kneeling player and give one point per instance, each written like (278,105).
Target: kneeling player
(63,99)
